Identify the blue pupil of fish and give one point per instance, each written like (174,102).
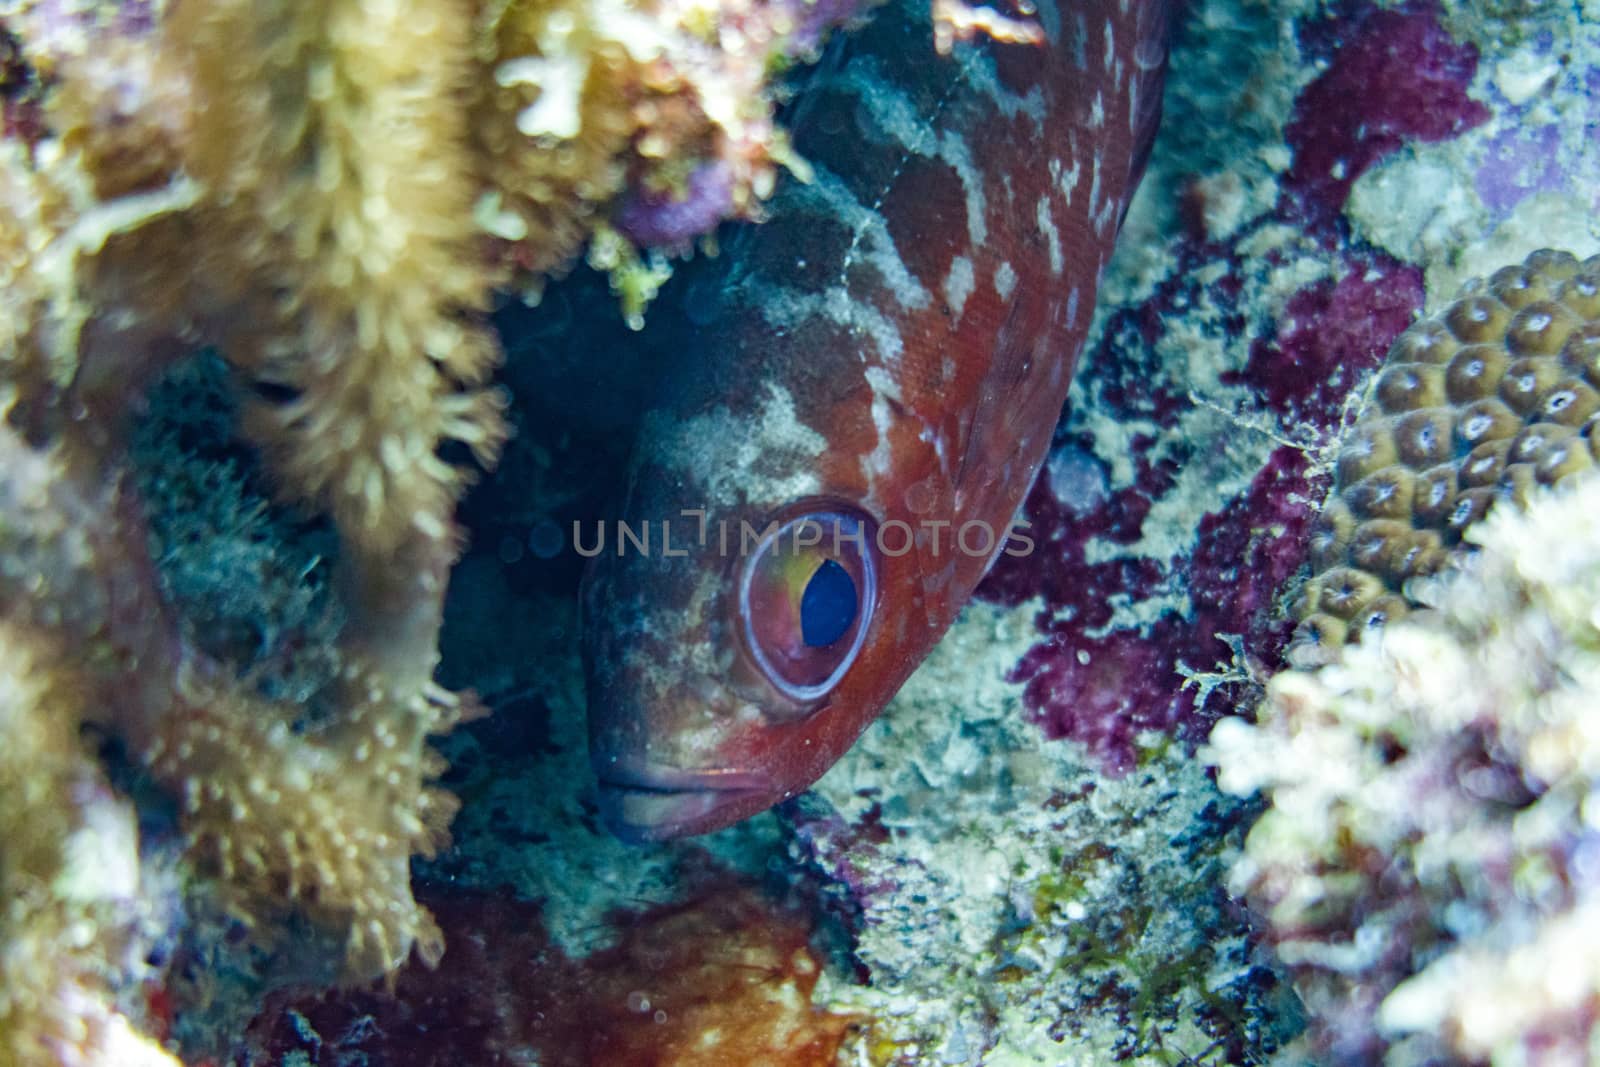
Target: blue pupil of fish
(828,606)
(806,596)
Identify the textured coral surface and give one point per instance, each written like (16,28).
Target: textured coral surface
(1427,864)
(1493,396)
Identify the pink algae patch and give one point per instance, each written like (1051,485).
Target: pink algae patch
(1103,688)
(1101,683)
(1331,332)
(1393,76)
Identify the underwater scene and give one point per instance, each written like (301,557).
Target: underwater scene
(794,533)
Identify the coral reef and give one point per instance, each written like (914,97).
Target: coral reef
(326,195)
(1467,205)
(1229,342)
(661,111)
(1008,903)
(1021,863)
(1394,77)
(1490,397)
(991,896)
(279,811)
(1427,864)
(69,879)
(1241,323)
(1265,270)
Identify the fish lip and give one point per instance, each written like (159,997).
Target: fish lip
(642,803)
(660,778)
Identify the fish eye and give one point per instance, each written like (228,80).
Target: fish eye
(806,595)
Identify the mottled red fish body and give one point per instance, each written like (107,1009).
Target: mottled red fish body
(838,461)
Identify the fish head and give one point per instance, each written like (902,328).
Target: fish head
(739,654)
(804,518)
(875,376)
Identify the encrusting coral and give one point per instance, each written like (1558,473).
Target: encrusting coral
(327,193)
(1427,865)
(1493,396)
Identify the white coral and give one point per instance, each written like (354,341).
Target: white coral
(1435,789)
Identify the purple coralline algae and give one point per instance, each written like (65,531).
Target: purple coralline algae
(1145,586)
(1393,78)
(1518,162)
(668,220)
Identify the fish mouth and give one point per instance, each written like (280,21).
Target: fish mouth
(641,803)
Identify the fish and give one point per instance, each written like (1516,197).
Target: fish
(836,460)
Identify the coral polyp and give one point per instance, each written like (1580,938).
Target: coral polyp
(1490,398)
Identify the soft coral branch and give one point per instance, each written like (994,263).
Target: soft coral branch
(328,819)
(335,149)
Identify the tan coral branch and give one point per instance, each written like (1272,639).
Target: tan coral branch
(328,819)
(334,150)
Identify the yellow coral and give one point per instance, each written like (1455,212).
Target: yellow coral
(333,148)
(327,819)
(361,301)
(318,168)
(551,124)
(38,762)
(330,822)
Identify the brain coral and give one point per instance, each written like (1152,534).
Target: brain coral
(1493,396)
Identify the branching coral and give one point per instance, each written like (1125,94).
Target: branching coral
(329,820)
(332,819)
(342,169)
(1428,863)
